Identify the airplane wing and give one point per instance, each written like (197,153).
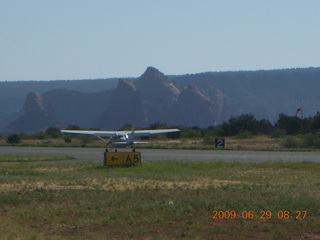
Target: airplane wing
(137,133)
(95,133)
(146,133)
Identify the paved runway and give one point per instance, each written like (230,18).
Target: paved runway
(96,154)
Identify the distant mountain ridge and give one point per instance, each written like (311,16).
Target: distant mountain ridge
(263,93)
(202,99)
(13,93)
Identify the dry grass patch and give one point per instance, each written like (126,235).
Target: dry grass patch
(32,158)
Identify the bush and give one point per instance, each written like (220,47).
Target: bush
(290,142)
(209,140)
(54,132)
(191,133)
(86,138)
(279,133)
(14,138)
(311,140)
(39,135)
(67,139)
(244,134)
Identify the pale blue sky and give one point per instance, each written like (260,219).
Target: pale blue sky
(81,39)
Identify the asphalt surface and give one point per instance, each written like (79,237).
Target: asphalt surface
(97,154)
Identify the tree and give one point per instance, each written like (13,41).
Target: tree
(14,138)
(315,123)
(265,127)
(54,132)
(244,122)
(73,127)
(292,125)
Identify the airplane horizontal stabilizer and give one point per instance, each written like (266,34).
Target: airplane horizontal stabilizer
(141,142)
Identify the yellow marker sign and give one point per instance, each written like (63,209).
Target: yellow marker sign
(122,158)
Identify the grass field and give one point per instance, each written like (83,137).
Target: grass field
(160,200)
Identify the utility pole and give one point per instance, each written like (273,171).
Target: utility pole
(300,109)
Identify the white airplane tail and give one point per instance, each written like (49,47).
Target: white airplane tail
(132,137)
(132,133)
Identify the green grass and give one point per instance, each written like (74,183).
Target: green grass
(157,200)
(32,158)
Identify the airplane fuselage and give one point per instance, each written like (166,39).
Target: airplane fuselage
(121,141)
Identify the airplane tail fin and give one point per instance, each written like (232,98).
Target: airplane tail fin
(132,137)
(132,133)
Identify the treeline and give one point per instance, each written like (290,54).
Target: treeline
(247,124)
(296,132)
(243,126)
(285,124)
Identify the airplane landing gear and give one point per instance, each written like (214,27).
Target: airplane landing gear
(116,149)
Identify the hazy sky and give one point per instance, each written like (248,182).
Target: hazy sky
(80,39)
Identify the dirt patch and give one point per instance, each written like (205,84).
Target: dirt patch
(120,184)
(55,169)
(125,183)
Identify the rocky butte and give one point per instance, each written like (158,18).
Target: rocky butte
(201,99)
(149,99)
(33,117)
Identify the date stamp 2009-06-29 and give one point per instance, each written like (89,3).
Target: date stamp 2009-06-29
(299,214)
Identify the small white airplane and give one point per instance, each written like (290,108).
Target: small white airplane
(121,138)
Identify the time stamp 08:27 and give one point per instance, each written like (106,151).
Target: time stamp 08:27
(259,215)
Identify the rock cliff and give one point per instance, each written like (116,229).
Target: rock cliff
(76,108)
(34,116)
(158,93)
(194,108)
(124,107)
